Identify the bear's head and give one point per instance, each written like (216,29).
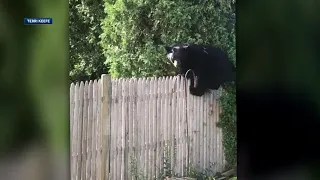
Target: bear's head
(179,57)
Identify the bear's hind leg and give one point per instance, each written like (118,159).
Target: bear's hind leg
(198,89)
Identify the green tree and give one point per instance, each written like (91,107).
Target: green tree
(86,56)
(134,30)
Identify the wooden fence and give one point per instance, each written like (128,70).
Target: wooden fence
(122,128)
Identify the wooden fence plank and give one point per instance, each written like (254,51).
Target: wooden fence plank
(184,121)
(146,126)
(177,112)
(125,121)
(114,130)
(165,123)
(76,127)
(119,131)
(111,160)
(84,131)
(162,123)
(97,133)
(153,131)
(173,100)
(201,122)
(180,127)
(214,132)
(105,124)
(130,127)
(205,137)
(90,119)
(135,154)
(182,147)
(158,123)
(80,134)
(72,155)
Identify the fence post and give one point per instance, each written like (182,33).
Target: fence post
(105,123)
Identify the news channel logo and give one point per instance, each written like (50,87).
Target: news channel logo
(37,21)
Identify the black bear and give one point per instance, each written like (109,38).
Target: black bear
(210,65)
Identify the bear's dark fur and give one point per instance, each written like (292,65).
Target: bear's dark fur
(211,66)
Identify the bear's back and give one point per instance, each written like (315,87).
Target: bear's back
(215,64)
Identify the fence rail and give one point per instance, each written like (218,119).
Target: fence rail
(121,128)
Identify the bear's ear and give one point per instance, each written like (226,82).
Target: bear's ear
(168,49)
(185,46)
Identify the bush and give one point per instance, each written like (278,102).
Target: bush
(228,123)
(135,30)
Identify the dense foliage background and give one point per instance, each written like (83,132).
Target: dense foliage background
(86,56)
(126,37)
